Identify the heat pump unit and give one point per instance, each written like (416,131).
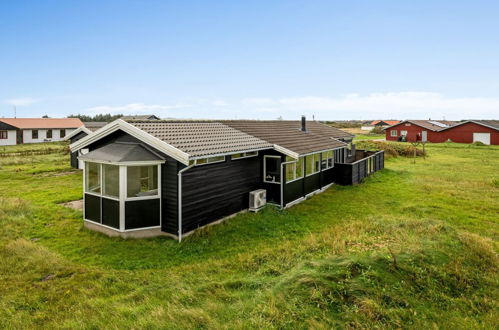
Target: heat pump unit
(257,200)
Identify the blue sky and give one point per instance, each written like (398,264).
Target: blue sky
(255,59)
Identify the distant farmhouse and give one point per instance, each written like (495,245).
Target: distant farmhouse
(35,130)
(467,131)
(379,123)
(170,177)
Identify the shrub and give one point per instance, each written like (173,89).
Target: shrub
(377,130)
(391,149)
(479,144)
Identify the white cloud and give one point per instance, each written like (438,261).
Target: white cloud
(22,101)
(417,105)
(393,105)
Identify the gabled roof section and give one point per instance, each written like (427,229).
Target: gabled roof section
(287,134)
(432,125)
(77,131)
(201,138)
(494,124)
(43,123)
(122,153)
(388,122)
(6,127)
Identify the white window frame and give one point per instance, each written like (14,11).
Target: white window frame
(319,167)
(403,132)
(265,169)
(244,155)
(123,194)
(195,161)
(393,133)
(327,162)
(302,159)
(139,198)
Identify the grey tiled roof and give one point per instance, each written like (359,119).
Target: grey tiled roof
(491,123)
(94,125)
(201,138)
(287,134)
(429,124)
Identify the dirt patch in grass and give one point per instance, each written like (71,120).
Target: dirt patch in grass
(76,205)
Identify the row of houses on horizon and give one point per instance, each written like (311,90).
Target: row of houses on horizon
(37,130)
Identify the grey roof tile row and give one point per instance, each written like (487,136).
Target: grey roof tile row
(200,138)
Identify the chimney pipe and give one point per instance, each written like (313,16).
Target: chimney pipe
(303,124)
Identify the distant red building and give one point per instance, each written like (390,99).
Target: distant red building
(469,131)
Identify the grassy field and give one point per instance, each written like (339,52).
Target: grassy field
(360,137)
(414,246)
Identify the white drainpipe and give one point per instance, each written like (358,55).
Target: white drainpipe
(180,201)
(283,179)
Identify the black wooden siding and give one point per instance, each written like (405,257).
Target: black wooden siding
(213,191)
(74,159)
(169,197)
(77,137)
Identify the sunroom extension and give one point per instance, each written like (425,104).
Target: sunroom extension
(121,189)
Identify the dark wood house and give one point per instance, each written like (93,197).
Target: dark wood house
(145,178)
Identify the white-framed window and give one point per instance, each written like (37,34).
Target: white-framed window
(403,133)
(408,124)
(393,132)
(142,181)
(111,180)
(294,171)
(327,160)
(4,135)
(339,155)
(313,163)
(272,169)
(209,160)
(242,155)
(92,178)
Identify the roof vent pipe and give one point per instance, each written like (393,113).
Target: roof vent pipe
(303,124)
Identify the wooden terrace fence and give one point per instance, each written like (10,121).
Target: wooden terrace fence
(355,172)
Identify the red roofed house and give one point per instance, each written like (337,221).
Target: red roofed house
(468,131)
(379,123)
(35,130)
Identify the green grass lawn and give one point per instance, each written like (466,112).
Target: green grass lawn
(359,137)
(414,246)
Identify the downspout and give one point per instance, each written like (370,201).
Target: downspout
(179,215)
(283,179)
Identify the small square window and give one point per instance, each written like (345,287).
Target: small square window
(3,135)
(393,132)
(34,134)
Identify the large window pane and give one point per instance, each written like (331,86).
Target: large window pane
(313,163)
(92,177)
(142,181)
(272,169)
(111,180)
